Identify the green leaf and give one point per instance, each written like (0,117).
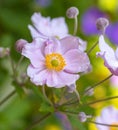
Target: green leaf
(46,108)
(18,88)
(75,123)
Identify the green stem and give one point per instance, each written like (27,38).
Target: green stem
(102,100)
(100,82)
(20,60)
(12,64)
(75,26)
(102,124)
(70,112)
(44,93)
(78,96)
(39,121)
(8,96)
(90,50)
(70,103)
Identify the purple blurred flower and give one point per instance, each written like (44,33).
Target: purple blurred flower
(108,116)
(89,21)
(64,120)
(89,24)
(44,3)
(112,32)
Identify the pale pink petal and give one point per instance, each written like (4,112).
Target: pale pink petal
(114,81)
(107,112)
(82,44)
(69,43)
(59,27)
(34,32)
(53,47)
(61,79)
(109,115)
(52,80)
(101,127)
(37,76)
(45,26)
(76,61)
(34,51)
(32,71)
(108,54)
(116,53)
(42,24)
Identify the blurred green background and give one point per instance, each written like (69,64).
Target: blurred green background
(22,109)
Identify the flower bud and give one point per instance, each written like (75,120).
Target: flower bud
(71,88)
(83,117)
(101,24)
(89,91)
(4,52)
(72,12)
(20,44)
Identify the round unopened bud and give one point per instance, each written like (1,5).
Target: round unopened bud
(20,44)
(72,12)
(4,52)
(89,91)
(101,24)
(83,117)
(71,88)
(1,52)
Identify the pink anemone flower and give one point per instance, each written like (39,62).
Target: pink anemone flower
(109,55)
(54,62)
(109,116)
(44,26)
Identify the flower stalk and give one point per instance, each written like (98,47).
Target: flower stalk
(96,84)
(38,121)
(44,93)
(7,97)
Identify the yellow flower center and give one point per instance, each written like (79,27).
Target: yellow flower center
(55,61)
(114,128)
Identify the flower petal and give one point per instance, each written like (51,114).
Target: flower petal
(37,75)
(42,24)
(53,46)
(34,33)
(61,79)
(76,61)
(45,26)
(59,27)
(108,54)
(34,51)
(69,43)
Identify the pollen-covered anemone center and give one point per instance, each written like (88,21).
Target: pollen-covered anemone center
(55,61)
(114,128)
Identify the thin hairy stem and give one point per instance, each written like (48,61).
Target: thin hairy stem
(90,50)
(70,112)
(12,64)
(96,84)
(44,93)
(90,103)
(75,26)
(97,123)
(20,60)
(7,97)
(77,94)
(102,100)
(39,121)
(69,101)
